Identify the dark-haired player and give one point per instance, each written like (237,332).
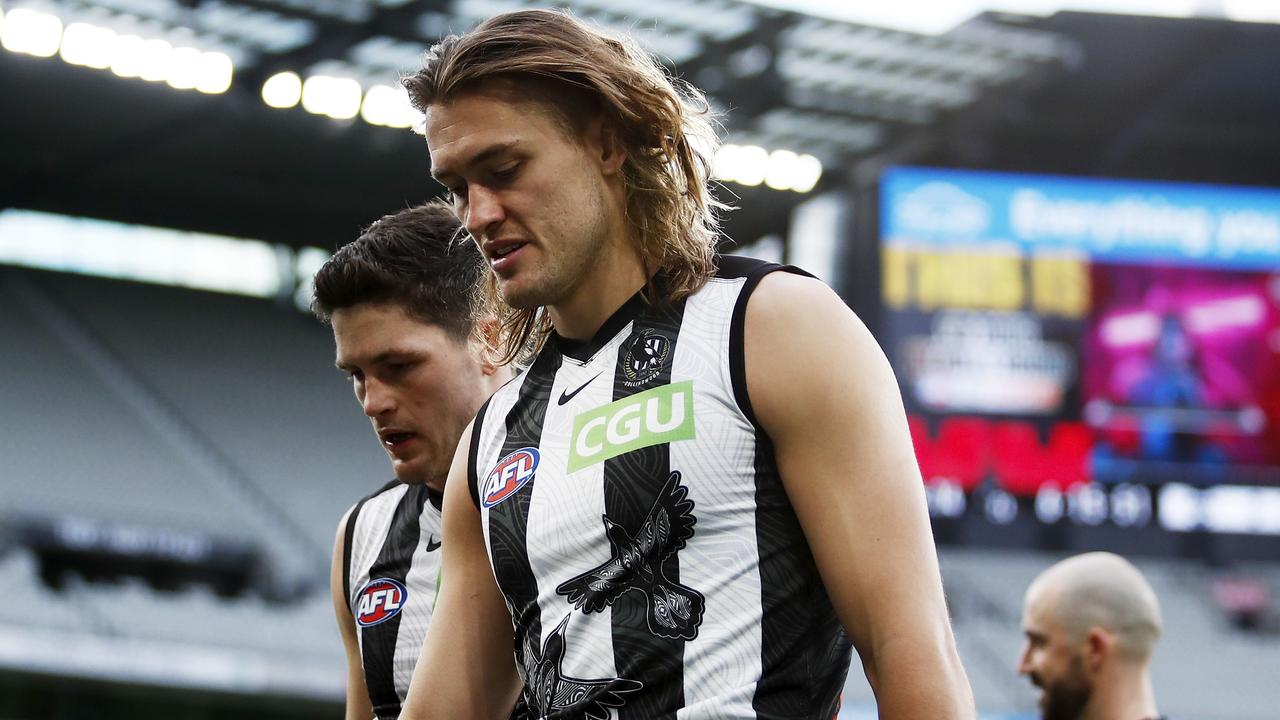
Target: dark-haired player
(402,301)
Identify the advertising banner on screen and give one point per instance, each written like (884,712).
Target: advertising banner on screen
(1101,350)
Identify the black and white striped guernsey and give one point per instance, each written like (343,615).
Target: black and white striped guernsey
(391,571)
(638,529)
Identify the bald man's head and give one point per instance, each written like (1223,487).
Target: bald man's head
(1101,590)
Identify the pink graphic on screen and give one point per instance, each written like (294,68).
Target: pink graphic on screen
(1183,364)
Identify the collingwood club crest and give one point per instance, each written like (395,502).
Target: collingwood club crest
(647,353)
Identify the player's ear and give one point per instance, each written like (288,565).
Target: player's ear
(608,142)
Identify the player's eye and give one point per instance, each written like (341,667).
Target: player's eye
(455,195)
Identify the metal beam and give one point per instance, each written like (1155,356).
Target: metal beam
(335,37)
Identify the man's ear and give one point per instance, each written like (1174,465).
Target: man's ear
(1098,647)
(613,153)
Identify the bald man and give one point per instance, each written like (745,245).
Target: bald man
(1091,623)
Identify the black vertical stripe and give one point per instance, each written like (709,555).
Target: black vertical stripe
(509,519)
(754,271)
(632,483)
(804,653)
(378,642)
(473,452)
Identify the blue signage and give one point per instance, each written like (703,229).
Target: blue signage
(1119,221)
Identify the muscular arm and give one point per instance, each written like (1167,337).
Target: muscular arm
(358,705)
(825,394)
(467,668)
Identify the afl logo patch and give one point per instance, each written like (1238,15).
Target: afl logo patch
(379,600)
(646,354)
(510,474)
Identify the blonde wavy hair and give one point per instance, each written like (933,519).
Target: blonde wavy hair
(664,123)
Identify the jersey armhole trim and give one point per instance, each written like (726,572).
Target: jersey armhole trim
(473,454)
(737,335)
(348,535)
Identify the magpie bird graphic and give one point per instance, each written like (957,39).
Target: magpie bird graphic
(674,610)
(552,694)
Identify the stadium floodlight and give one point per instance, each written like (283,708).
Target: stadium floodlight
(806,172)
(154,60)
(388,106)
(751,166)
(88,45)
(30,32)
(184,68)
(129,57)
(338,98)
(724,165)
(780,172)
(282,90)
(213,73)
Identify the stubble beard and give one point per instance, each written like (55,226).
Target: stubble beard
(1067,698)
(562,273)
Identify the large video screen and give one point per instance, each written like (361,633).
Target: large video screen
(1100,356)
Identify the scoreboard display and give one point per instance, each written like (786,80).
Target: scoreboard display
(1088,362)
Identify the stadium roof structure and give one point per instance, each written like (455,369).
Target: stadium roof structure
(1093,93)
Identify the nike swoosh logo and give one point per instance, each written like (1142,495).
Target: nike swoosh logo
(432,544)
(567,396)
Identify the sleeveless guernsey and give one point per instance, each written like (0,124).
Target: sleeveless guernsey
(391,574)
(639,531)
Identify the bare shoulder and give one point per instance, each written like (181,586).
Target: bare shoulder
(788,295)
(340,540)
(802,341)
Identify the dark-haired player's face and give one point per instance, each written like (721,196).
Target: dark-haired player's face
(1053,663)
(533,197)
(418,385)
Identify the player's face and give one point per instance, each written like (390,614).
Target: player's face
(1053,663)
(533,198)
(418,384)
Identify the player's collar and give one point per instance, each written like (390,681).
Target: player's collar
(584,350)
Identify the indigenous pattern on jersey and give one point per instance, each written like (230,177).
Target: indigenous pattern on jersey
(391,569)
(639,531)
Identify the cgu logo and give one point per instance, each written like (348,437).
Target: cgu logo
(510,474)
(661,415)
(380,600)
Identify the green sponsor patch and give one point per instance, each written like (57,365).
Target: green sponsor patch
(663,414)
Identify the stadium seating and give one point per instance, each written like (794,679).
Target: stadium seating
(253,385)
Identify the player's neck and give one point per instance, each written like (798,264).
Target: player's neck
(1127,696)
(603,289)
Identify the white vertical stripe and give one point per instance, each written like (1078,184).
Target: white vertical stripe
(370,532)
(566,526)
(722,664)
(421,582)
